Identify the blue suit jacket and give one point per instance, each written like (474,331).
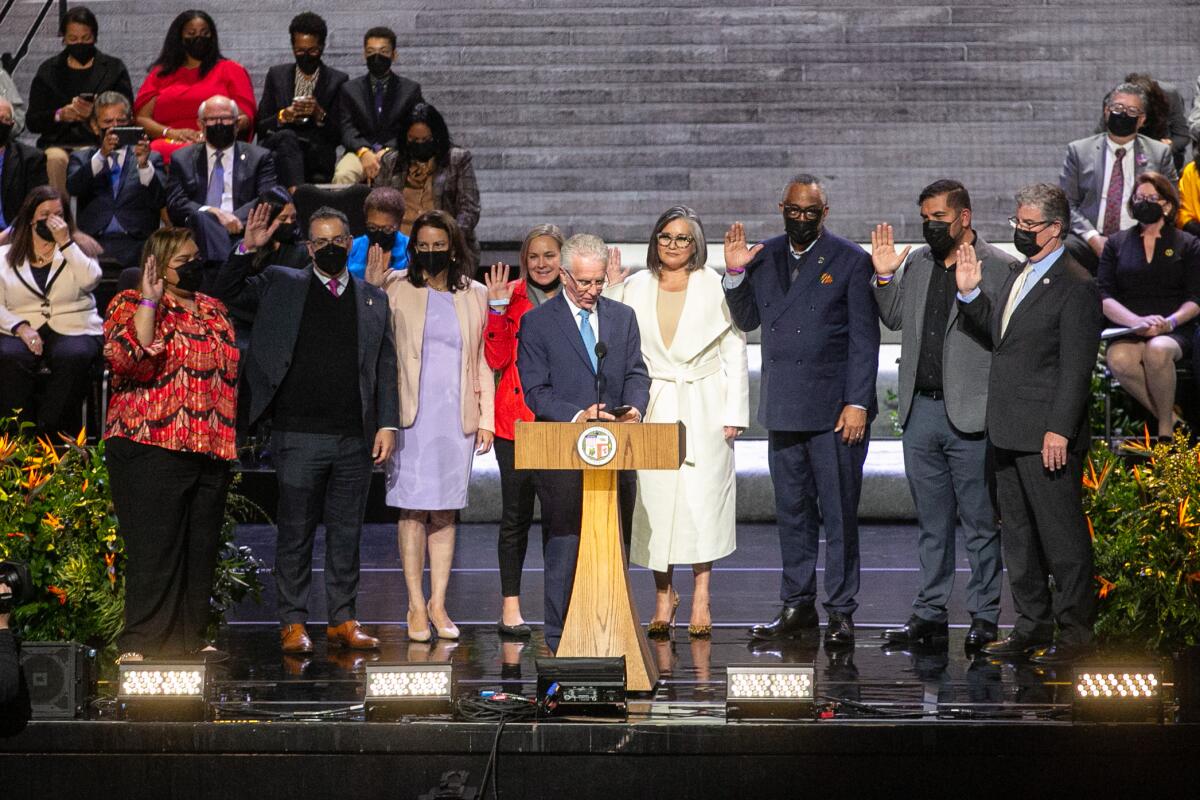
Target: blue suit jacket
(555,368)
(820,337)
(187,181)
(136,207)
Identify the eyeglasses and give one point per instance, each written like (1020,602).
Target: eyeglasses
(1152,198)
(225,120)
(598,283)
(667,240)
(1121,108)
(1026,225)
(796,212)
(381,230)
(340,241)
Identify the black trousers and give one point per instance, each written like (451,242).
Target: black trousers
(561,495)
(51,401)
(322,478)
(1044,534)
(517,496)
(300,158)
(170,507)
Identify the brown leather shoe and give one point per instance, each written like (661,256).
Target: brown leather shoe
(350,634)
(294,639)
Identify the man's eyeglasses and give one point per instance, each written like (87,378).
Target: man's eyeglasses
(1027,225)
(1121,108)
(598,283)
(219,120)
(810,213)
(667,240)
(340,241)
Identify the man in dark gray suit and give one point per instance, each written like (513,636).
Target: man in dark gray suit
(1097,174)
(943,398)
(322,364)
(1044,327)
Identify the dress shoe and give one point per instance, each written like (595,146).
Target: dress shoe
(350,634)
(449,631)
(662,629)
(839,631)
(1015,644)
(521,631)
(294,639)
(414,635)
(791,621)
(980,633)
(1061,653)
(916,630)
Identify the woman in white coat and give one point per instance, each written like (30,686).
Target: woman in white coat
(697,364)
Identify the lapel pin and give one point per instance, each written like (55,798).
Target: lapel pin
(820,259)
(370,301)
(1168,252)
(826,278)
(1045,281)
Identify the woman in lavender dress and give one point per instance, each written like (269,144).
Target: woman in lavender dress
(446,405)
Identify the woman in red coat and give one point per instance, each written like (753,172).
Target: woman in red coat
(508,301)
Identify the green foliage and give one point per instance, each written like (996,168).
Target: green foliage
(1146,536)
(56,514)
(1127,417)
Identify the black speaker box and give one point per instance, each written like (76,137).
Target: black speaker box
(59,676)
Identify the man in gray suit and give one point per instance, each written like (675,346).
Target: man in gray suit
(943,402)
(1097,174)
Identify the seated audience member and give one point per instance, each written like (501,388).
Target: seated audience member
(1149,279)
(372,108)
(286,249)
(8,91)
(1165,120)
(47,315)
(384,210)
(297,116)
(189,70)
(1189,192)
(212,185)
(434,175)
(22,168)
(1097,175)
(119,191)
(65,88)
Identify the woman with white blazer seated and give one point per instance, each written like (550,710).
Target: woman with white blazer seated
(48,315)
(698,371)
(446,405)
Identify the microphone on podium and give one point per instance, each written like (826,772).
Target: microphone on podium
(601,350)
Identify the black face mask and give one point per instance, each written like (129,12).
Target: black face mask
(82,52)
(220,135)
(802,232)
(552,286)
(378,65)
(384,239)
(5,132)
(1147,212)
(42,229)
(198,47)
(434,262)
(937,236)
(1026,243)
(286,234)
(422,151)
(331,259)
(308,63)
(1121,124)
(189,275)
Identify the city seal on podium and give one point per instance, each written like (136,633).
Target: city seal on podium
(596,446)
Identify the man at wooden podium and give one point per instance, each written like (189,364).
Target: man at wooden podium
(559,363)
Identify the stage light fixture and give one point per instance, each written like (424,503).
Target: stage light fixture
(1117,693)
(394,691)
(163,691)
(777,691)
(594,688)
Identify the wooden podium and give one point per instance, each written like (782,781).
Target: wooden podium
(602,619)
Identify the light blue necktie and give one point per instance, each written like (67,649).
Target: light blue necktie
(114,174)
(216,184)
(589,338)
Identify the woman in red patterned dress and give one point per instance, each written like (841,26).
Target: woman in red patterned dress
(169,444)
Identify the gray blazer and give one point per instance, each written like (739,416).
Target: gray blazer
(966,360)
(1083,172)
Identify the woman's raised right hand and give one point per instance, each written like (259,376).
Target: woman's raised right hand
(152,283)
(496,280)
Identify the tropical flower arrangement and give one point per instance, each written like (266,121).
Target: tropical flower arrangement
(1145,525)
(56,515)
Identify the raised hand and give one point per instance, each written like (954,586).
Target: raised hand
(883,251)
(496,280)
(379,264)
(152,282)
(968,271)
(259,229)
(737,254)
(615,275)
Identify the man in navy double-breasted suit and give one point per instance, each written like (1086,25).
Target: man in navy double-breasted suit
(558,364)
(810,293)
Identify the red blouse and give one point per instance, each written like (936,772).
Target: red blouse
(178,97)
(180,393)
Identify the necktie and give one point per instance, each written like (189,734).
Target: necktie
(589,338)
(1011,305)
(114,174)
(1116,193)
(333,287)
(216,184)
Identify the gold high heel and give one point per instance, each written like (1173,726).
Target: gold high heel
(700,631)
(420,637)
(657,629)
